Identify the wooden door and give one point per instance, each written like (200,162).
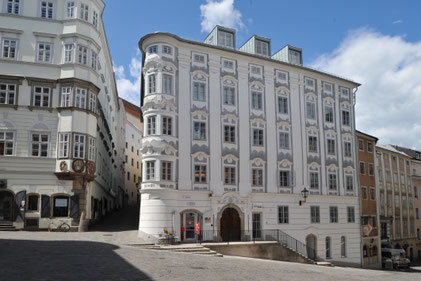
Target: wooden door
(230,225)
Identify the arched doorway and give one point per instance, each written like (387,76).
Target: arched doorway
(311,244)
(230,225)
(6,206)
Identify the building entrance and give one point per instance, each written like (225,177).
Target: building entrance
(311,244)
(189,220)
(6,206)
(230,225)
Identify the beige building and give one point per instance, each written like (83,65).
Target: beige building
(133,135)
(397,212)
(416,181)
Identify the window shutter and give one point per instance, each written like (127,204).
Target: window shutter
(20,199)
(74,206)
(45,206)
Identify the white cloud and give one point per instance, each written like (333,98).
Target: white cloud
(389,100)
(129,89)
(220,12)
(397,22)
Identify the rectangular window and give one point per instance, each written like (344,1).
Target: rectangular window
(347,149)
(70,9)
(64,140)
(82,55)
(256,100)
(282,76)
(333,211)
(153,49)
(229,175)
(80,98)
(283,215)
(329,114)
(312,144)
(199,91)
(343,246)
(257,177)
(364,193)
(332,182)
(151,83)
(229,134)
(284,140)
(417,213)
(79,146)
(32,203)
(262,48)
(255,70)
(314,180)
(284,179)
(362,168)
(10,48)
(229,95)
(166,125)
(283,105)
(331,148)
(327,87)
(371,169)
(47,8)
(150,170)
(167,84)
(66,96)
(167,50)
(228,64)
(315,214)
(151,129)
(61,206)
(225,39)
(7,143)
(257,137)
(351,214)
(95,19)
(92,102)
(94,59)
(361,145)
(309,83)
(68,53)
(41,96)
(199,130)
(39,145)
(44,52)
(128,176)
(166,170)
(91,149)
(200,174)
(84,12)
(311,110)
(345,118)
(8,93)
(13,6)
(349,183)
(372,194)
(199,58)
(369,146)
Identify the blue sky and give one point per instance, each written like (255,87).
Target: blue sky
(376,43)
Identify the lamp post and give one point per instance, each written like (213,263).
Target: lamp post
(304,193)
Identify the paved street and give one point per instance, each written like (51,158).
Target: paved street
(107,253)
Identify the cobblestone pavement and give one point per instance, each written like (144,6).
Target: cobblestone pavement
(108,255)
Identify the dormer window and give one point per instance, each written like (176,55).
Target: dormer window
(225,39)
(294,57)
(262,48)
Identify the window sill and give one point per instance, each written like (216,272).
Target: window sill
(73,108)
(31,108)
(14,106)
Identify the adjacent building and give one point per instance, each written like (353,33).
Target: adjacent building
(416,182)
(371,242)
(60,119)
(397,212)
(133,136)
(233,136)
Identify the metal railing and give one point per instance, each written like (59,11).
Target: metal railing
(275,235)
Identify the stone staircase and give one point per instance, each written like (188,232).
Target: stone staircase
(187,248)
(7,226)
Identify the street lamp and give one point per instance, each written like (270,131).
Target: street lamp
(304,193)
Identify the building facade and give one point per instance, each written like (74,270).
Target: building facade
(59,115)
(397,212)
(416,181)
(366,147)
(233,136)
(133,131)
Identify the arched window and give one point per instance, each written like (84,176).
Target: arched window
(328,248)
(343,246)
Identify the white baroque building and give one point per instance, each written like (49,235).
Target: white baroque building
(61,138)
(233,136)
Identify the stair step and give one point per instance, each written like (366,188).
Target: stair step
(324,263)
(8,229)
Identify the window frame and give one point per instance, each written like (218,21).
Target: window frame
(201,177)
(42,95)
(64,145)
(70,9)
(6,143)
(350,210)
(198,94)
(151,125)
(284,178)
(8,93)
(78,151)
(199,131)
(40,143)
(166,125)
(256,100)
(47,55)
(229,134)
(258,137)
(283,106)
(228,95)
(284,140)
(10,48)
(333,214)
(314,214)
(166,170)
(56,215)
(283,214)
(13,7)
(257,177)
(167,84)
(49,12)
(150,173)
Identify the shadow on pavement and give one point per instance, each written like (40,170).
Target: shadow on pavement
(64,260)
(120,220)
